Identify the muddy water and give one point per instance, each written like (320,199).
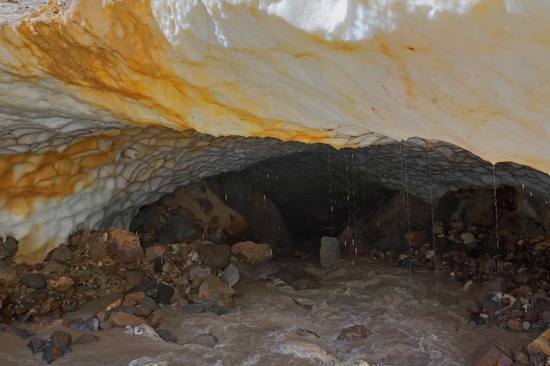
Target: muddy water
(411,322)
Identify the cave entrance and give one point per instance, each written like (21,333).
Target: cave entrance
(411,197)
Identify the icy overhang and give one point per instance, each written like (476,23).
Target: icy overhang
(78,78)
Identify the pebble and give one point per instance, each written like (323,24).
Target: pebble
(154,252)
(34,280)
(63,284)
(61,254)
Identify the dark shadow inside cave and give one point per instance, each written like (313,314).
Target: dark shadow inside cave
(401,201)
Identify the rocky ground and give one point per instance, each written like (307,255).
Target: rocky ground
(499,255)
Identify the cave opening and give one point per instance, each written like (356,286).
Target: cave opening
(408,201)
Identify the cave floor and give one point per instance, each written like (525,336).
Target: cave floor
(412,319)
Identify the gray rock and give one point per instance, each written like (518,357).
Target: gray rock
(206,340)
(230,275)
(8,248)
(215,255)
(61,254)
(53,267)
(330,251)
(34,280)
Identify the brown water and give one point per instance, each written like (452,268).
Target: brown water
(410,323)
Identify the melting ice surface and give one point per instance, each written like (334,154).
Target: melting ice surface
(409,323)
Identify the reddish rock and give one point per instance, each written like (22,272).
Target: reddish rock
(124,247)
(353,333)
(251,252)
(156,318)
(122,319)
(490,355)
(154,252)
(130,300)
(63,284)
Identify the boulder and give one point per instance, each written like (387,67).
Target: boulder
(329,252)
(251,252)
(125,248)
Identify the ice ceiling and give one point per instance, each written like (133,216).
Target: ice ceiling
(103,104)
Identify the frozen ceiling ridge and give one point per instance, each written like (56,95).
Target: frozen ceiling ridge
(79,80)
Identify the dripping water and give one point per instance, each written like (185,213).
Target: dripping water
(436,265)
(406,208)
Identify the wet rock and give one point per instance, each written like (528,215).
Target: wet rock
(156,318)
(165,293)
(230,275)
(215,289)
(149,302)
(34,280)
(207,340)
(92,324)
(143,330)
(251,252)
(8,275)
(329,252)
(52,353)
(353,333)
(215,255)
(87,338)
(124,247)
(147,361)
(61,254)
(122,319)
(307,350)
(60,338)
(36,345)
(520,356)
(49,305)
(488,354)
(8,248)
(165,335)
(143,310)
(154,252)
(198,307)
(131,299)
(105,325)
